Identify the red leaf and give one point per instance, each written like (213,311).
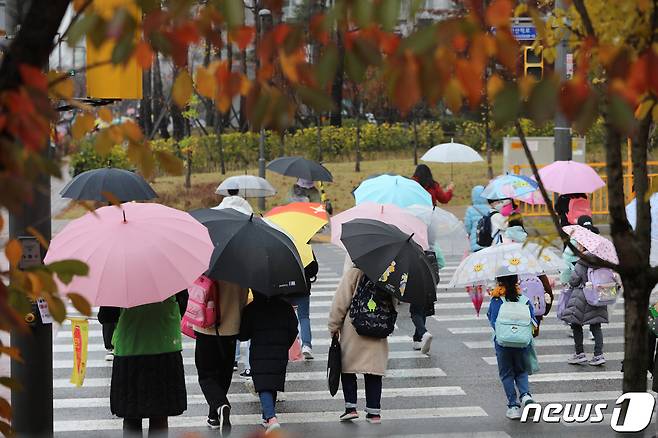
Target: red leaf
(499,13)
(319,29)
(460,42)
(280,33)
(243,36)
(407,87)
(389,42)
(652,67)
(470,78)
(33,77)
(144,55)
(573,95)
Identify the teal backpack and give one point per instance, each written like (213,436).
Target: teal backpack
(514,325)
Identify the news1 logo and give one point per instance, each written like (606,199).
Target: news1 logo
(632,412)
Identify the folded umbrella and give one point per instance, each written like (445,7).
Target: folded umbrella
(300,167)
(248,186)
(477,297)
(388,213)
(251,253)
(595,244)
(509,186)
(565,177)
(390,258)
(392,189)
(137,254)
(302,221)
(334,365)
(122,184)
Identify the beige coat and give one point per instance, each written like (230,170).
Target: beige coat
(232,299)
(361,355)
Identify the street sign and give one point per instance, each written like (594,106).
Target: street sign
(524,32)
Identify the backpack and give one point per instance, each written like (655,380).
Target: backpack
(602,287)
(533,289)
(483,231)
(201,306)
(372,311)
(578,207)
(513,326)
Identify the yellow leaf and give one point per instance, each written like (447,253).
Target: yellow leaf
(105,115)
(206,83)
(80,303)
(111,198)
(453,95)
(14,252)
(643,109)
(42,240)
(182,90)
(36,283)
(82,125)
(131,131)
(103,142)
(171,164)
(63,87)
(654,114)
(494,85)
(56,307)
(245,85)
(526,84)
(223,103)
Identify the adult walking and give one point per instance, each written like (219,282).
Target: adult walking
(148,378)
(214,353)
(423,176)
(360,354)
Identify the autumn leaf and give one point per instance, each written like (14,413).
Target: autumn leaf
(131,131)
(111,198)
(205,82)
(40,237)
(5,409)
(494,85)
(10,383)
(243,36)
(56,307)
(61,87)
(105,115)
(144,55)
(80,303)
(182,89)
(12,352)
(66,269)
(170,163)
(82,125)
(506,105)
(33,77)
(453,95)
(14,252)
(499,13)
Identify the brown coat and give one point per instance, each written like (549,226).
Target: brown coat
(232,299)
(360,354)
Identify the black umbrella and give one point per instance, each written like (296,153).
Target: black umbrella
(301,168)
(389,256)
(252,253)
(122,184)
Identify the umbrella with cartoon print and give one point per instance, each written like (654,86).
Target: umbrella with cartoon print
(389,257)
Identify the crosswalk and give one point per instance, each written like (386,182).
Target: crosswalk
(455,385)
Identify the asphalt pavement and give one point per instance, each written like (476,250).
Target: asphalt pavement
(452,393)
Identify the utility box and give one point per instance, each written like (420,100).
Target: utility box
(542,149)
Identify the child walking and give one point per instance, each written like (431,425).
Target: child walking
(507,309)
(271,325)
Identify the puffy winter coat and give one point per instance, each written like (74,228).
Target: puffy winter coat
(271,325)
(578,310)
(473,215)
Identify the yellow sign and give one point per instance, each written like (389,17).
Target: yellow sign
(109,81)
(80,335)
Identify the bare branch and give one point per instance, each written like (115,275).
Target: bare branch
(584,15)
(75,18)
(86,68)
(641,184)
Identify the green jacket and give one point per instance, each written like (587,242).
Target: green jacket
(148,329)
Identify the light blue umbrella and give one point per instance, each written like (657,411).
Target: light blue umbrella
(392,189)
(509,186)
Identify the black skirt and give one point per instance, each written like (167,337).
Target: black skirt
(148,386)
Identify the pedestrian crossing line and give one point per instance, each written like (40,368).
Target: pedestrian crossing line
(549,342)
(542,328)
(567,397)
(304,376)
(285,418)
(317,357)
(484,434)
(244,397)
(483,314)
(559,358)
(575,376)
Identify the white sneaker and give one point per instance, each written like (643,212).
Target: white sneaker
(526,400)
(307,352)
(577,359)
(513,413)
(597,360)
(109,356)
(426,343)
(417,345)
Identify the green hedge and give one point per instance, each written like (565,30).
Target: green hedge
(86,158)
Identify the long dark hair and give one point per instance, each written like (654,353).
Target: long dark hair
(423,175)
(510,283)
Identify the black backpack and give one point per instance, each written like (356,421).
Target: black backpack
(372,311)
(483,231)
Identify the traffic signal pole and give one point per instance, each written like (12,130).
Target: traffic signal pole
(562,130)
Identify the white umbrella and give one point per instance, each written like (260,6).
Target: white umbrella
(452,153)
(249,186)
(443,229)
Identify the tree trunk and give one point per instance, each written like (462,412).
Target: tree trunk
(188,172)
(159,99)
(336,118)
(145,113)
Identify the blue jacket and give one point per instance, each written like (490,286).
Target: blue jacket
(473,215)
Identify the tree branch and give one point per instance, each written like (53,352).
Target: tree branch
(584,15)
(75,18)
(86,68)
(641,185)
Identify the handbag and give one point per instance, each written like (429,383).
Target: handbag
(530,360)
(334,366)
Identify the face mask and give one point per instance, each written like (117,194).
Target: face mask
(507,209)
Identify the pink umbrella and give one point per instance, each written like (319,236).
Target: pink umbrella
(566,177)
(137,254)
(387,213)
(593,243)
(477,297)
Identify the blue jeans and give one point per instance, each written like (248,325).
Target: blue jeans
(247,366)
(268,404)
(418,318)
(511,370)
(303,304)
(373,392)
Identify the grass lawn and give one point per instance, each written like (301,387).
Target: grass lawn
(202,194)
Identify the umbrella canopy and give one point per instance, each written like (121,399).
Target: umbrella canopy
(389,214)
(389,257)
(452,153)
(122,184)
(509,186)
(301,220)
(251,253)
(631,214)
(301,168)
(443,229)
(392,189)
(506,259)
(143,257)
(566,177)
(248,186)
(593,243)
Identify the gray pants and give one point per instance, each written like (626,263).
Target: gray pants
(578,338)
